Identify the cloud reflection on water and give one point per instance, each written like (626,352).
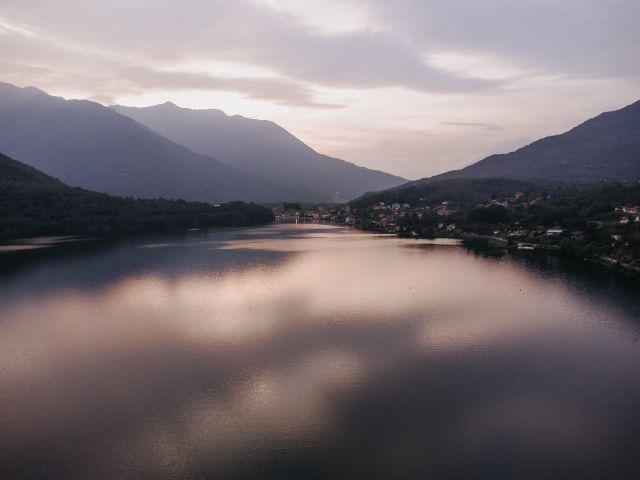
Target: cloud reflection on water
(167,376)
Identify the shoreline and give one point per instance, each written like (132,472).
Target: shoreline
(494,244)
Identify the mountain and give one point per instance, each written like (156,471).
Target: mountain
(264,148)
(17,174)
(85,144)
(33,203)
(606,147)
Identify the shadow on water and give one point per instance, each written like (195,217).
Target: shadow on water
(588,278)
(91,264)
(15,262)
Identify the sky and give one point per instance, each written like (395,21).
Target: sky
(412,87)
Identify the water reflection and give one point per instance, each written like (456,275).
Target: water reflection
(312,351)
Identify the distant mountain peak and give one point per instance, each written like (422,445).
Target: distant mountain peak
(25,90)
(605,147)
(34,90)
(263,148)
(88,145)
(170,104)
(121,151)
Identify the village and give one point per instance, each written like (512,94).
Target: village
(519,221)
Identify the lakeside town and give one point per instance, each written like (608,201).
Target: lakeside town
(601,231)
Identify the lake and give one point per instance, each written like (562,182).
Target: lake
(311,351)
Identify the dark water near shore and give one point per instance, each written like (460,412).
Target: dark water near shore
(309,351)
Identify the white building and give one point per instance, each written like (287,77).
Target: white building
(554,232)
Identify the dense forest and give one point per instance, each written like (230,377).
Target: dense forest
(462,191)
(32,204)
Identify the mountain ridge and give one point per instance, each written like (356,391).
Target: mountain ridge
(605,147)
(615,134)
(88,145)
(262,147)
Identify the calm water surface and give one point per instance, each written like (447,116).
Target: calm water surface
(313,352)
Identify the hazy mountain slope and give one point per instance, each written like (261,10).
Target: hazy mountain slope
(17,173)
(85,144)
(605,147)
(264,148)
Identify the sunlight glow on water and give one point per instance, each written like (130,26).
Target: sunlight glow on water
(310,351)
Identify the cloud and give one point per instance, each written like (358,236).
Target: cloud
(244,32)
(274,89)
(586,38)
(492,127)
(103,99)
(57,64)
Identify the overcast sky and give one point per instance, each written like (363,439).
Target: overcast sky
(413,87)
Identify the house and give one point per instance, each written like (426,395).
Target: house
(554,232)
(632,210)
(444,210)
